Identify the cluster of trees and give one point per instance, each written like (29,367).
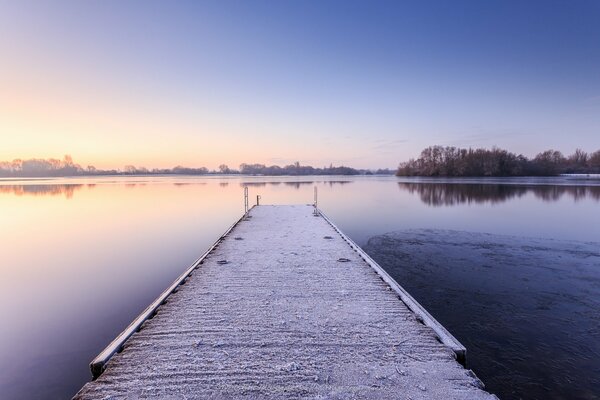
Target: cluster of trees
(452,161)
(178,170)
(66,167)
(41,167)
(295,169)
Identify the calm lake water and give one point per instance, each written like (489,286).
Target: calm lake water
(82,257)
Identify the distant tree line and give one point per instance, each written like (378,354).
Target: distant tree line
(295,169)
(35,167)
(67,167)
(453,161)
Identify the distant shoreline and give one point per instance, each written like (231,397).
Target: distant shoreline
(55,168)
(423,179)
(24,178)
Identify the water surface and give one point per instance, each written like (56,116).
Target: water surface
(82,257)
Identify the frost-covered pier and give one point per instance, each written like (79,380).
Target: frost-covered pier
(284,306)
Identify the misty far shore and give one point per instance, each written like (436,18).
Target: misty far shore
(434,161)
(51,167)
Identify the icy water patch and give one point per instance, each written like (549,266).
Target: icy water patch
(528,310)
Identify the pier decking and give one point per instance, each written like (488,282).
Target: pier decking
(285,307)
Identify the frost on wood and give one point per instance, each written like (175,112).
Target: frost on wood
(282,317)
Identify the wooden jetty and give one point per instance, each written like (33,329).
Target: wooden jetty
(284,305)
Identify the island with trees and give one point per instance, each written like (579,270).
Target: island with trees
(495,162)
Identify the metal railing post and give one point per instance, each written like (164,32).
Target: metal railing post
(245,199)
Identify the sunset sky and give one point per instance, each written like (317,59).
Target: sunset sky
(365,84)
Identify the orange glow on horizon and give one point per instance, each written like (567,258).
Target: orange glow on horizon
(52,118)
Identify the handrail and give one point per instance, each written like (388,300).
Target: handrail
(98,364)
(422,315)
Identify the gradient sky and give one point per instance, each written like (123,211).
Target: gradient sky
(366,84)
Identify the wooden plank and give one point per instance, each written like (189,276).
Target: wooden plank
(422,314)
(284,307)
(98,364)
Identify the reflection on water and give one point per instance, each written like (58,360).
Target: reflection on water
(253,184)
(43,190)
(333,183)
(188,183)
(69,189)
(450,194)
(81,257)
(294,184)
(297,185)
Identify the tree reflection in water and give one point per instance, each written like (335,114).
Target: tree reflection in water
(43,190)
(450,194)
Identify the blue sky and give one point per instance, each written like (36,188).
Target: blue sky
(366,84)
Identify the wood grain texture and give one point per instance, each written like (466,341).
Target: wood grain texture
(273,313)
